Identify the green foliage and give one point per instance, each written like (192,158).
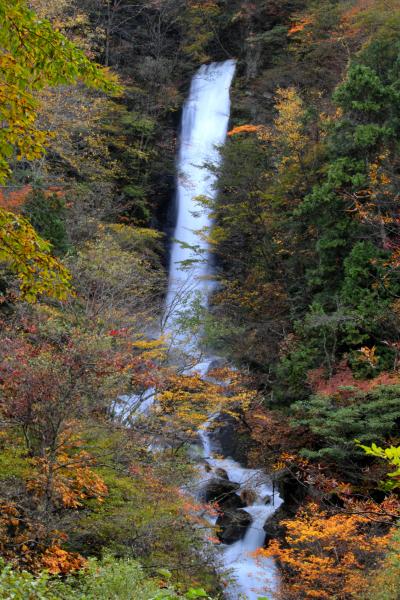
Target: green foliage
(29,257)
(13,463)
(363,268)
(392,456)
(120,275)
(23,585)
(34,55)
(384,583)
(201,21)
(153,515)
(273,40)
(336,420)
(324,209)
(47,212)
(318,344)
(350,283)
(368,290)
(138,124)
(291,372)
(131,138)
(109,578)
(364,92)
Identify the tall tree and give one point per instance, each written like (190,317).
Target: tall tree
(33,56)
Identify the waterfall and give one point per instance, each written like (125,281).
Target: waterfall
(204,127)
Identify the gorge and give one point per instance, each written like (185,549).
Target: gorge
(157,388)
(204,127)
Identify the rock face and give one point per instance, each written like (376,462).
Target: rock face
(232,521)
(225,437)
(293,494)
(232,525)
(291,490)
(221,473)
(232,502)
(273,528)
(248,496)
(217,363)
(220,490)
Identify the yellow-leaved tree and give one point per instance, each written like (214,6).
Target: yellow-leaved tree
(33,56)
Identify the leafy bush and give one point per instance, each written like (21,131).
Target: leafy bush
(107,579)
(23,585)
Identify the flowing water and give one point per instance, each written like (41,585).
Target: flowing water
(204,127)
(249,577)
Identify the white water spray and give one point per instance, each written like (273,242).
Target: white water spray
(249,577)
(204,127)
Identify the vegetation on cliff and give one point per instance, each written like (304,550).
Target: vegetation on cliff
(306,246)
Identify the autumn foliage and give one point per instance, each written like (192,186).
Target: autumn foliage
(27,543)
(244,129)
(325,554)
(29,257)
(95,419)
(186,402)
(343,379)
(14,199)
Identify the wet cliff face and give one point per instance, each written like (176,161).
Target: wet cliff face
(232,441)
(156,47)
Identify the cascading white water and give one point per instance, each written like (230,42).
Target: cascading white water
(204,128)
(250,577)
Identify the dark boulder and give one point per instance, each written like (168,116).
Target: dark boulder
(273,528)
(290,489)
(220,490)
(232,502)
(221,473)
(232,525)
(225,438)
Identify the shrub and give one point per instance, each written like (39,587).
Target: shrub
(107,579)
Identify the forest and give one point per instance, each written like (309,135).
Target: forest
(106,416)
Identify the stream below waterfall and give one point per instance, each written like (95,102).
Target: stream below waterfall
(204,127)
